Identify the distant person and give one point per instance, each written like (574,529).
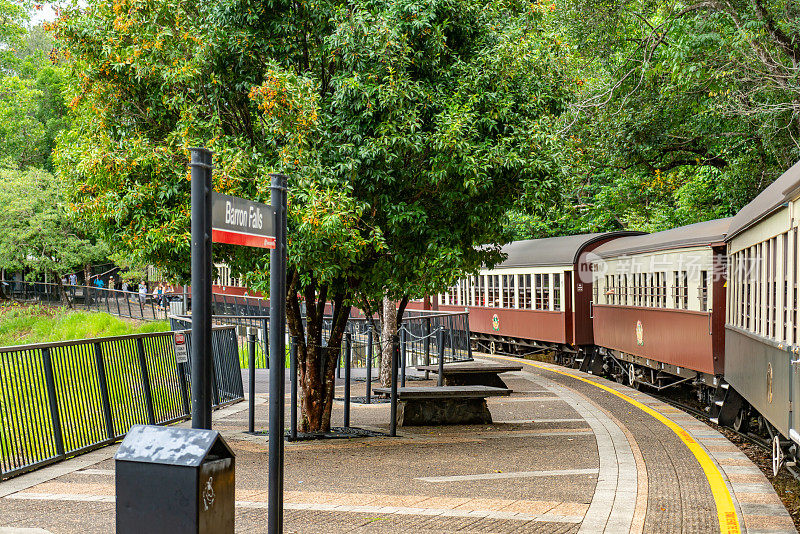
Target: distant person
(99,283)
(125,286)
(142,293)
(73,279)
(111,282)
(158,293)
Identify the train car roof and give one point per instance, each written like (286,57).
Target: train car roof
(551,251)
(698,234)
(778,193)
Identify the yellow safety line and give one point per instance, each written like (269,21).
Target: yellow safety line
(726,512)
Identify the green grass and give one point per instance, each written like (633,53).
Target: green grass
(21,325)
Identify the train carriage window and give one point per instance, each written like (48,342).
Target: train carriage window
(595,289)
(774,287)
(538,290)
(557,291)
(794,278)
(508,291)
(493,290)
(649,297)
(472,283)
(664,290)
(624,289)
(545,291)
(480,296)
(527,296)
(676,289)
(685,290)
(703,291)
(605,290)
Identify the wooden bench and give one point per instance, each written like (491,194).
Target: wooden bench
(445,405)
(473,373)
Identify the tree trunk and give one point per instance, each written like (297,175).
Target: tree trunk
(316,365)
(388,332)
(62,294)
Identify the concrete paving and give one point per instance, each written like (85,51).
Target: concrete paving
(563,455)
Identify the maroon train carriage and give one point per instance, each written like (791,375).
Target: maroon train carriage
(537,299)
(761,331)
(658,306)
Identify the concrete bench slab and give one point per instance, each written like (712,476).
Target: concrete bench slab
(472,373)
(446,405)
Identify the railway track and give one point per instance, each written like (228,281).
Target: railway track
(750,437)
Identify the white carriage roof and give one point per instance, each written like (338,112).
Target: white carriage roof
(550,251)
(698,234)
(778,193)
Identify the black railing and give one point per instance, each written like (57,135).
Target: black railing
(60,399)
(421,335)
(132,304)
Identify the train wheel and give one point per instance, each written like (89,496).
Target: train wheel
(742,421)
(632,377)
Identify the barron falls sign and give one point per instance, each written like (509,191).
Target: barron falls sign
(237,221)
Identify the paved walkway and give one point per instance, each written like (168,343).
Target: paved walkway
(568,452)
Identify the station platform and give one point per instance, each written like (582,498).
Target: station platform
(567,452)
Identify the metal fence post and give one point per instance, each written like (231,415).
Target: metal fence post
(101,375)
(293,388)
(339,365)
(403,335)
(348,354)
(251,373)
(440,341)
(369,366)
(466,329)
(148,392)
(426,344)
(55,417)
(395,350)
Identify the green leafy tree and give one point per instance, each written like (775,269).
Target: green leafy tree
(407,130)
(682,112)
(37,234)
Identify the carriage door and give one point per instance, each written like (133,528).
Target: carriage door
(568,316)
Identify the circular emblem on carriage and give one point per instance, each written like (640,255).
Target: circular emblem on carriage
(769,382)
(495,322)
(639,333)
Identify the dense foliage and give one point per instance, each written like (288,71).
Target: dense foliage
(37,234)
(685,112)
(407,130)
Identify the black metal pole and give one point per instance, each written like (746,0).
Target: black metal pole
(277,352)
(369,366)
(251,373)
(395,350)
(201,287)
(293,388)
(402,358)
(440,342)
(348,355)
(426,344)
(338,365)
(466,330)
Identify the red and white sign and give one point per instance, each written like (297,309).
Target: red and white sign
(181,350)
(237,221)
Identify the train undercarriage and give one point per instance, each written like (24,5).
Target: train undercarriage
(712,397)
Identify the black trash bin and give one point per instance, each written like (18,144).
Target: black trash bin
(174,481)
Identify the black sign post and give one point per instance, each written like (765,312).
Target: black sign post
(201,288)
(277,352)
(237,221)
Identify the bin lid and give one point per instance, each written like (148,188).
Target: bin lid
(186,447)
